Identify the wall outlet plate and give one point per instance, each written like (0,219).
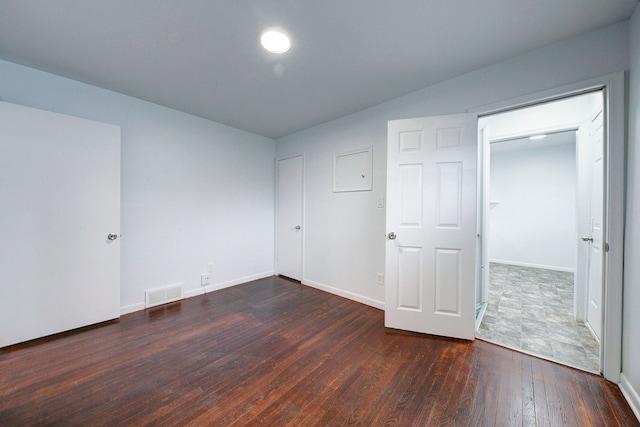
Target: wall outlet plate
(204,279)
(380,279)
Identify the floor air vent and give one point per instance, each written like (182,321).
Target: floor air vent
(164,295)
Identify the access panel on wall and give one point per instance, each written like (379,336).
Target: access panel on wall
(60,221)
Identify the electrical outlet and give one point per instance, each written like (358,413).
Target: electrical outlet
(210,267)
(204,279)
(380,279)
(381,202)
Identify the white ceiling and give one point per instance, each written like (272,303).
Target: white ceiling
(522,144)
(203,56)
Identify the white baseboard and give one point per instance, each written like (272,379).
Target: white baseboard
(630,394)
(531,265)
(194,292)
(234,282)
(345,294)
(201,290)
(131,308)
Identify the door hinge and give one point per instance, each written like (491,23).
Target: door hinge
(606,247)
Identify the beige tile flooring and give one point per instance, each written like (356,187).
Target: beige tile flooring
(531,310)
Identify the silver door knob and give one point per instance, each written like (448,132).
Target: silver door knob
(587,239)
(297,227)
(112,236)
(392,236)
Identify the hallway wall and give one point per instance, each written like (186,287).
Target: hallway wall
(533,207)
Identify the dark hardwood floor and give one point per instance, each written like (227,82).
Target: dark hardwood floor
(274,352)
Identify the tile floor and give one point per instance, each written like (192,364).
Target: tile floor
(531,309)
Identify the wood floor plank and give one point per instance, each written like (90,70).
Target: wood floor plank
(274,352)
(609,404)
(561,411)
(402,397)
(515,385)
(435,400)
(458,378)
(528,394)
(504,388)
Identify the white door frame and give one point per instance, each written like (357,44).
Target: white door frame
(482,219)
(302,214)
(614,108)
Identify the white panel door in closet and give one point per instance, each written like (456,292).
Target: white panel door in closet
(431,225)
(289,224)
(60,221)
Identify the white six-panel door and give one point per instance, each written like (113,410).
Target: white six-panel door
(431,225)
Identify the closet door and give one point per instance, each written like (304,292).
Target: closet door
(60,222)
(289,224)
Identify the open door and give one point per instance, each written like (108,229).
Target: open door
(595,239)
(431,225)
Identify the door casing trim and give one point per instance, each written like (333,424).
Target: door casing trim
(614,187)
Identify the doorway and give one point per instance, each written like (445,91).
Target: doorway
(408,282)
(540,270)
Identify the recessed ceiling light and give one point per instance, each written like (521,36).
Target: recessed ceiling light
(275,41)
(535,137)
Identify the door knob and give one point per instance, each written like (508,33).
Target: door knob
(112,236)
(297,227)
(392,236)
(588,239)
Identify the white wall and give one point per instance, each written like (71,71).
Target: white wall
(193,191)
(344,240)
(533,214)
(631,314)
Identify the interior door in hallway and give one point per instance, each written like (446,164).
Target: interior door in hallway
(431,225)
(289,223)
(595,239)
(60,221)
